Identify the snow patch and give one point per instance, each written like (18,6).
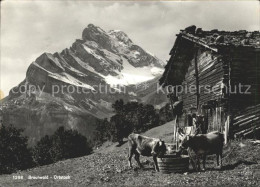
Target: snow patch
(132,93)
(91,44)
(157,71)
(150,53)
(136,54)
(64,77)
(111,56)
(92,52)
(85,65)
(70,80)
(100,30)
(68,108)
(132,75)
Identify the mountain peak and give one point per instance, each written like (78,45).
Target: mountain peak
(118,43)
(92,26)
(91,31)
(121,36)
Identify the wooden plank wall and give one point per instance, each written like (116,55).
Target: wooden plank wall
(246,123)
(211,74)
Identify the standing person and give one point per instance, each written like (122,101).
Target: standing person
(201,125)
(194,123)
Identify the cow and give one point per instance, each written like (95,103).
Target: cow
(145,146)
(203,145)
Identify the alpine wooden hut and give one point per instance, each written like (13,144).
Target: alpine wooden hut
(223,69)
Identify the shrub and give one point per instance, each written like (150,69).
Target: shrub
(63,144)
(14,153)
(41,151)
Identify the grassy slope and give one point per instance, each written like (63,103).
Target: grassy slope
(108,166)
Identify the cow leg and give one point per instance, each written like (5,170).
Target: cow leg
(155,163)
(217,160)
(131,152)
(137,158)
(220,156)
(131,148)
(192,160)
(204,162)
(193,163)
(198,162)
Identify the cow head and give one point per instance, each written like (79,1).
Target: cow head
(185,142)
(159,148)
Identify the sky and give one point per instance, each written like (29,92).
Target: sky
(30,28)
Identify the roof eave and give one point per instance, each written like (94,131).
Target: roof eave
(199,42)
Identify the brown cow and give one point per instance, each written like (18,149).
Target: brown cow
(203,145)
(146,146)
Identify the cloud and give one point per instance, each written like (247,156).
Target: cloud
(29,28)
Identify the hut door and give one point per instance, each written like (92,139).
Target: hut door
(218,120)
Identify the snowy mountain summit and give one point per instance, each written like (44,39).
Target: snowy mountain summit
(123,61)
(53,88)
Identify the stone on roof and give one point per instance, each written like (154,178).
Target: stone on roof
(216,37)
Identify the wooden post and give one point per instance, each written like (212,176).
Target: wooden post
(226,129)
(175,124)
(176,133)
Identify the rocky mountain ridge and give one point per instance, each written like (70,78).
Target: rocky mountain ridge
(65,88)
